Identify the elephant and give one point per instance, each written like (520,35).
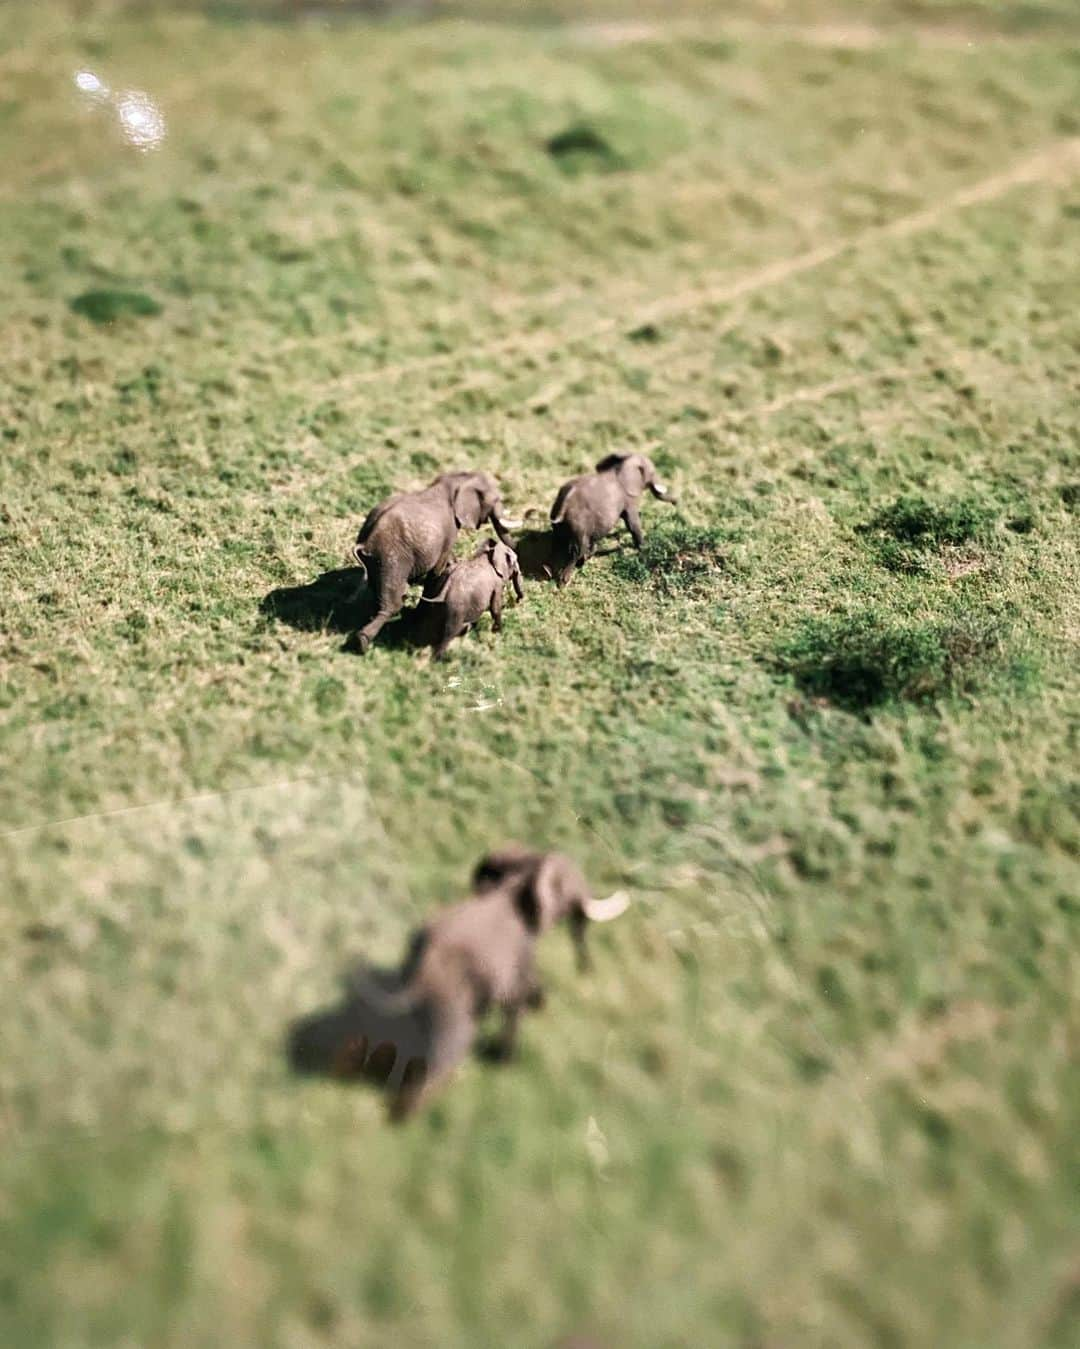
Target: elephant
(411,536)
(469,589)
(588,508)
(472,957)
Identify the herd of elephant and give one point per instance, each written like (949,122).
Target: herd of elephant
(409,538)
(410,1027)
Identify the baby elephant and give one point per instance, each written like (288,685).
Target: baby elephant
(480,954)
(469,590)
(411,536)
(589,507)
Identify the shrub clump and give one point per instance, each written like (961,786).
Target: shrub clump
(106,306)
(906,533)
(678,555)
(862,660)
(582,147)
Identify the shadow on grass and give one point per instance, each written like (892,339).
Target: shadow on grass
(336,601)
(339,601)
(862,661)
(365,1040)
(536,554)
(358,1042)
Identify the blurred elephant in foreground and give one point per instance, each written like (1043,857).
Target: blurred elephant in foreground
(420,1021)
(411,536)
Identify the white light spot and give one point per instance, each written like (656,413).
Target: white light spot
(141,120)
(88,83)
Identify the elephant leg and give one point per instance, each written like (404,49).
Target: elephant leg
(444,560)
(633,524)
(496,607)
(532,991)
(452,627)
(393,583)
(505,1046)
(572,560)
(578,926)
(453,1038)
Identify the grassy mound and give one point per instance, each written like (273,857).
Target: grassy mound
(859,661)
(909,533)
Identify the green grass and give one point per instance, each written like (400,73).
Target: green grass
(822,1086)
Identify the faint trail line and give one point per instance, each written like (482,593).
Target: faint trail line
(853,35)
(817,393)
(197,798)
(1062,156)
(809,394)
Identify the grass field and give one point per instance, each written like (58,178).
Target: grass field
(823,1087)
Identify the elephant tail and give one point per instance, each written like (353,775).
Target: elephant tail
(364,984)
(362,560)
(558,510)
(569,545)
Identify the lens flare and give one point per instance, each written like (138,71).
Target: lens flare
(88,83)
(141,120)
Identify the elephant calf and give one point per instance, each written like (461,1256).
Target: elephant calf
(480,954)
(588,508)
(411,536)
(472,588)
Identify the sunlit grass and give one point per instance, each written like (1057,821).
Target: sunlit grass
(820,1088)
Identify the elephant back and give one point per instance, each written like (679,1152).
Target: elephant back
(376,514)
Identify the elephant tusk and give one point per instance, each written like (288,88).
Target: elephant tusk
(508,524)
(660,489)
(603,910)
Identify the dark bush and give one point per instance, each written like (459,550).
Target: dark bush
(907,532)
(106,306)
(862,660)
(581,147)
(674,555)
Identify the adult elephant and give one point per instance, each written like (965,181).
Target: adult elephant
(589,508)
(411,536)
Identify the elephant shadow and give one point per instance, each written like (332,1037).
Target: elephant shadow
(336,601)
(537,554)
(340,601)
(541,556)
(359,1042)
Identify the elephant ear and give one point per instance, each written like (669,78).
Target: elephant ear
(557,888)
(494,869)
(629,469)
(468,507)
(610,462)
(633,472)
(502,559)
